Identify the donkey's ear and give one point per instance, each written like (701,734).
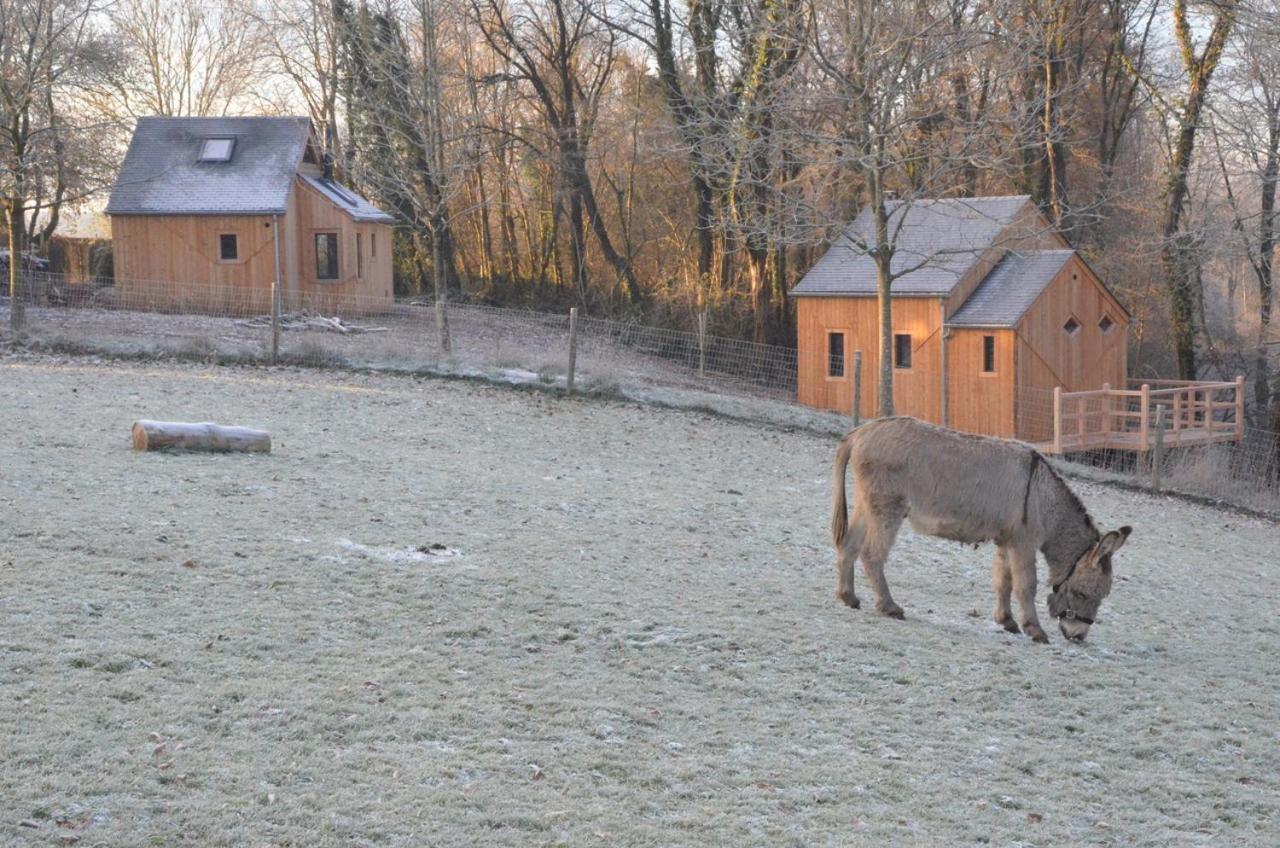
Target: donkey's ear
(1111,542)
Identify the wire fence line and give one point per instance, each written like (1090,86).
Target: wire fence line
(337,328)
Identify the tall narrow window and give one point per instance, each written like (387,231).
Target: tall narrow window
(373,245)
(359,256)
(901,350)
(326,256)
(988,354)
(835,354)
(228,248)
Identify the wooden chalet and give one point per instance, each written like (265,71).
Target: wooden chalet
(207,213)
(999,328)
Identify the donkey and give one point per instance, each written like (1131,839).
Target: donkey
(971,489)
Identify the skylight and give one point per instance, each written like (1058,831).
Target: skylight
(217,149)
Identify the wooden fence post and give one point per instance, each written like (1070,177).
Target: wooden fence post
(1240,408)
(1144,419)
(275,292)
(1157,453)
(702,343)
(857,388)
(573,347)
(1057,419)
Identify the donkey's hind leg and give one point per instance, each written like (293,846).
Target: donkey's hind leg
(882,530)
(1002,577)
(847,556)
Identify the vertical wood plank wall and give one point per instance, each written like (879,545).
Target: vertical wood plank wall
(1047,356)
(979,402)
(916,391)
(372,289)
(171,264)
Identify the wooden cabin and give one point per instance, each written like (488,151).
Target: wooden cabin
(206,213)
(994,312)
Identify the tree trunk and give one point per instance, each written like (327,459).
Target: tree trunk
(884,298)
(1266,258)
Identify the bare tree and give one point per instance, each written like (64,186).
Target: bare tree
(47,47)
(184,57)
(563,52)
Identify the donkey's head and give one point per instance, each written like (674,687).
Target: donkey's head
(1076,597)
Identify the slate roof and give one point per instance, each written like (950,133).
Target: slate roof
(947,235)
(347,200)
(1009,290)
(162,174)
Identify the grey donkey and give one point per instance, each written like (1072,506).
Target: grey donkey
(970,489)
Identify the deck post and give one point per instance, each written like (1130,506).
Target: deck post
(1240,408)
(1157,454)
(857,388)
(1057,419)
(1177,411)
(1144,419)
(1106,415)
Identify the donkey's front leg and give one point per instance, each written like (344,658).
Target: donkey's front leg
(1022,565)
(1003,582)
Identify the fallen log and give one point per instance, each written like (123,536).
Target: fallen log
(206,436)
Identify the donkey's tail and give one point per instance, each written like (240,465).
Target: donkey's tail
(839,506)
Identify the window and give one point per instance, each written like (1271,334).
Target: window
(901,350)
(1071,327)
(359,256)
(228,248)
(835,354)
(1105,323)
(373,245)
(217,149)
(988,354)
(326,256)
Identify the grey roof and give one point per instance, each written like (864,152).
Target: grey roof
(1010,289)
(161,174)
(347,200)
(946,235)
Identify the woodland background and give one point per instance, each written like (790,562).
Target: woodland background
(655,159)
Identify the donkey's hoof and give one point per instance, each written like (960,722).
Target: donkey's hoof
(1009,624)
(1036,634)
(893,611)
(850,600)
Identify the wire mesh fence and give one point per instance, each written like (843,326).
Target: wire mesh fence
(339,326)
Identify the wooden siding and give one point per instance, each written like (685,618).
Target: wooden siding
(917,391)
(1047,356)
(370,291)
(170,263)
(981,402)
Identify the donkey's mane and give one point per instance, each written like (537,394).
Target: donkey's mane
(1065,490)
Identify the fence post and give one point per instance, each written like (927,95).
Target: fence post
(275,293)
(1144,419)
(1240,408)
(1057,419)
(573,347)
(702,343)
(857,388)
(1157,454)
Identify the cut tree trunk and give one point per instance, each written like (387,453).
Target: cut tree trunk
(178,435)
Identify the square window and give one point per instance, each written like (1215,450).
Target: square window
(835,354)
(217,149)
(228,248)
(988,354)
(901,350)
(1105,323)
(326,256)
(1072,326)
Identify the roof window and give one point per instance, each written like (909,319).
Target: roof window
(217,149)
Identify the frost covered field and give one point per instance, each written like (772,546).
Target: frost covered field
(626,635)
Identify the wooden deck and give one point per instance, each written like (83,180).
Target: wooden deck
(1186,413)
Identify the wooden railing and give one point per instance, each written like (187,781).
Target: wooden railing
(1195,413)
